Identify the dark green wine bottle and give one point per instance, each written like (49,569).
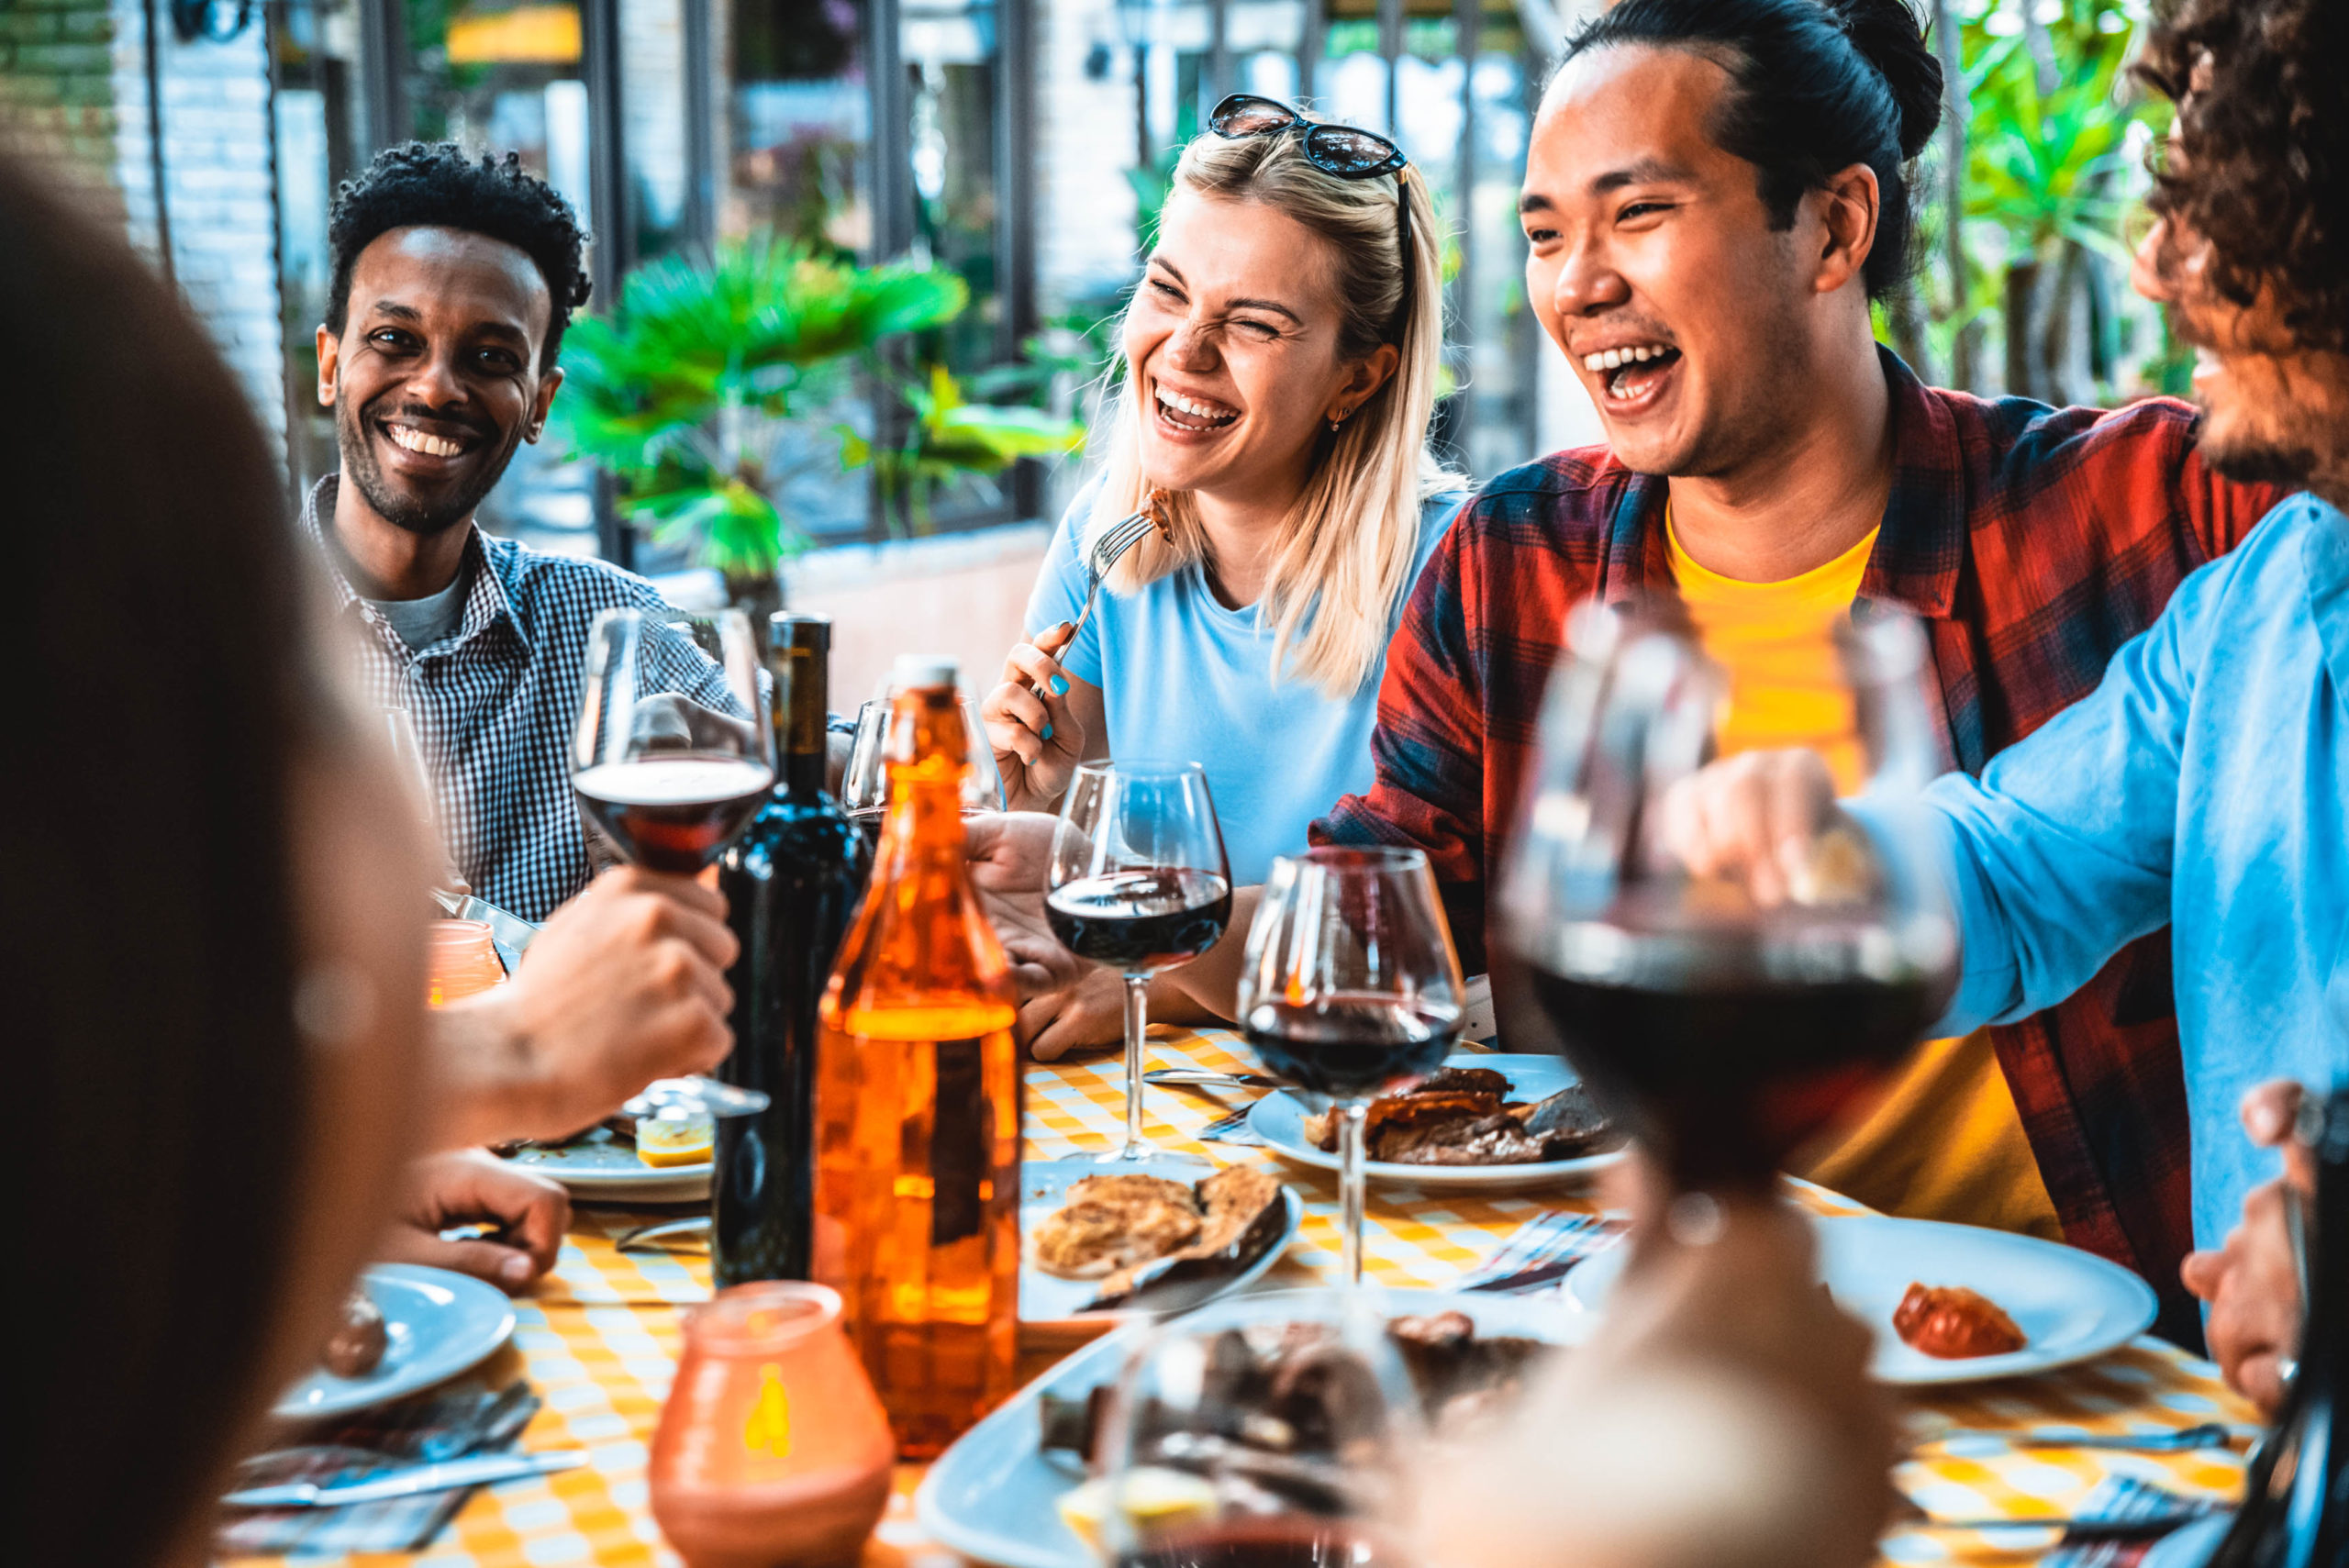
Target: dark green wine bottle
(792,881)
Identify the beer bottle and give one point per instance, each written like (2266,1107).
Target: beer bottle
(918,1101)
(2295,1500)
(791,881)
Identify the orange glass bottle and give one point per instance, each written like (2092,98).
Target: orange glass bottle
(918,1101)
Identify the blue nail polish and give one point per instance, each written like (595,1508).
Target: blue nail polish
(1048,732)
(1060,685)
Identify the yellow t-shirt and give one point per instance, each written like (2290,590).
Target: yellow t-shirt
(1945,1142)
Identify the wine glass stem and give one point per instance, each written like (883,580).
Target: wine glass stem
(1353,1115)
(1137,1026)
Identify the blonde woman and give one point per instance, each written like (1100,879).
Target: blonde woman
(1281,358)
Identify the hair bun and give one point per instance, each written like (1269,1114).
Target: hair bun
(1889,35)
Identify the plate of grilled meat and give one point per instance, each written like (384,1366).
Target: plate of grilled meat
(1483,1121)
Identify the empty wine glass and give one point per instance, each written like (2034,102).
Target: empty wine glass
(865,783)
(1263,1431)
(1351,989)
(671,756)
(1724,1024)
(1138,880)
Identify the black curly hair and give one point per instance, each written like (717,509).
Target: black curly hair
(1819,87)
(438,184)
(2262,170)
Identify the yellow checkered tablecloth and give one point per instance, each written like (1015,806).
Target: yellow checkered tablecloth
(599,1340)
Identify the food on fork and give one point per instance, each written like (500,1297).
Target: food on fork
(356,1347)
(1461,1116)
(1953,1323)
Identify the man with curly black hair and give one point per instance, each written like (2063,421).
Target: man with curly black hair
(2201,784)
(453,279)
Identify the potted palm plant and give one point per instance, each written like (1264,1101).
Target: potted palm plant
(705,387)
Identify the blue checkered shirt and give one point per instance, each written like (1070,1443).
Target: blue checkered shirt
(493,704)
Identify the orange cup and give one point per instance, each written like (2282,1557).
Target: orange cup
(773,1451)
(461,960)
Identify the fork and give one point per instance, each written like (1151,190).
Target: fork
(1115,540)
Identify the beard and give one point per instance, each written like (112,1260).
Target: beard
(2289,467)
(410,513)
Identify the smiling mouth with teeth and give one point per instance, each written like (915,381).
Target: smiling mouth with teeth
(1192,413)
(424,442)
(1625,380)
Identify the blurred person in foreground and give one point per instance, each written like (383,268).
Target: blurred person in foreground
(2201,784)
(1282,353)
(453,281)
(1715,191)
(220,995)
(217,992)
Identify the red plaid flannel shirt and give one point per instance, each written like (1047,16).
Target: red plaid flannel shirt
(2033,541)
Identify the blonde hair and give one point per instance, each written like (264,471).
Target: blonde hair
(1342,557)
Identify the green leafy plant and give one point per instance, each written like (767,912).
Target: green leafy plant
(691,391)
(947,439)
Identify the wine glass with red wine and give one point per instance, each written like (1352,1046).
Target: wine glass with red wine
(1349,990)
(671,756)
(1262,1431)
(1138,881)
(1727,1023)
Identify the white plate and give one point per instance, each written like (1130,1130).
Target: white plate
(2073,1306)
(1279,1120)
(1042,1183)
(603,1168)
(993,1496)
(437,1324)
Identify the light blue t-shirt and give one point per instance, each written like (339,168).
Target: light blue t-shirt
(1183,679)
(2204,786)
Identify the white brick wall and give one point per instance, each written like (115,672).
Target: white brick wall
(1084,143)
(216,187)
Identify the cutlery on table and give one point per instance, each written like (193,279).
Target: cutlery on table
(2071,1525)
(659,1230)
(1200,1078)
(1115,540)
(480,1470)
(2210,1434)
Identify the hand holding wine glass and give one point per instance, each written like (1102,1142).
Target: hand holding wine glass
(1726,957)
(671,756)
(1138,881)
(1351,989)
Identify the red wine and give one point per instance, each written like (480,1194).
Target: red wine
(1141,921)
(1275,1542)
(1349,1047)
(673,812)
(1726,1048)
(792,883)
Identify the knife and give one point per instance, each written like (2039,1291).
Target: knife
(1200,1078)
(480,1470)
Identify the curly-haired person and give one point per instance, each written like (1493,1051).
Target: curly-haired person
(453,279)
(2200,786)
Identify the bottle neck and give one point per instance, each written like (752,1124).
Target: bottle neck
(929,751)
(803,698)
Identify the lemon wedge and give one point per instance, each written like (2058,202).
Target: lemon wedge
(686,1142)
(1155,1499)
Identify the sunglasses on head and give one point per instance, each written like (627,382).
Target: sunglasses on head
(1335,149)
